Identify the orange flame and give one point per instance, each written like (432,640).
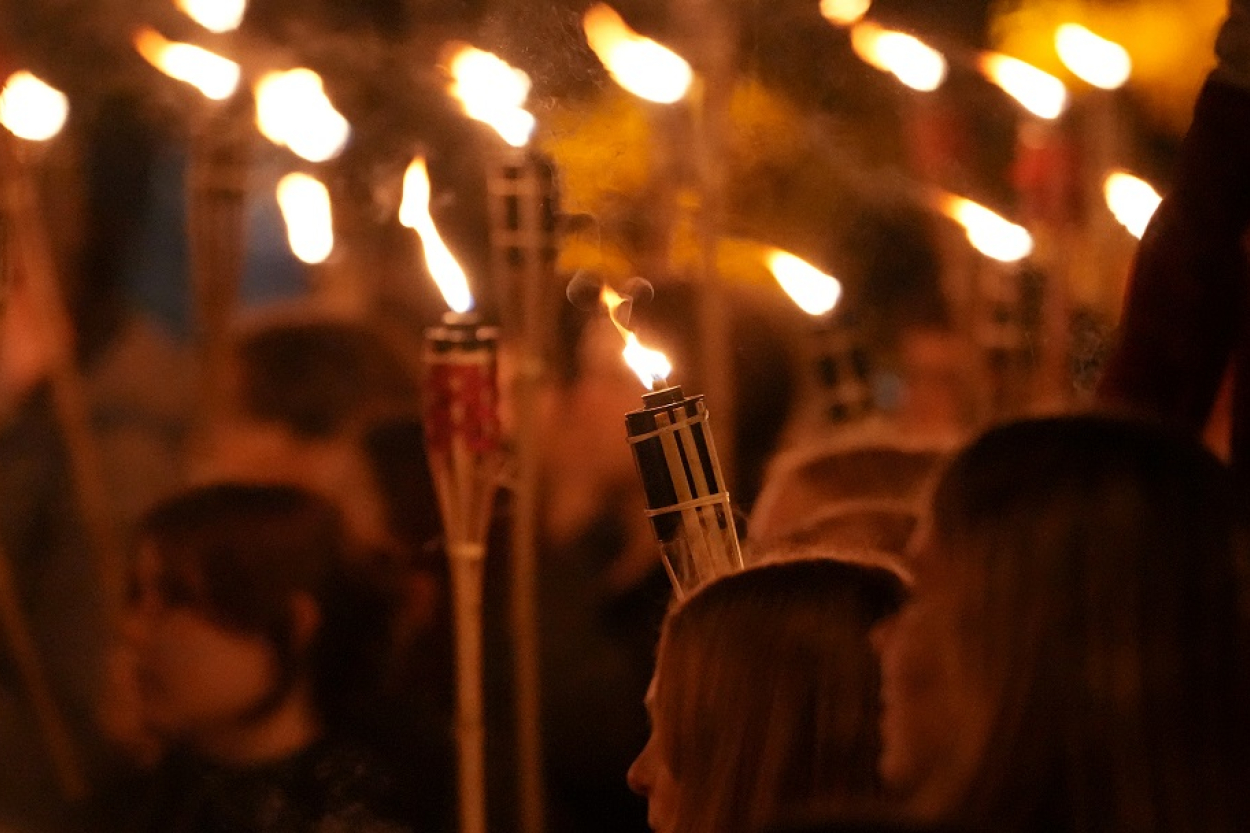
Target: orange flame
(1097,61)
(30,109)
(1041,93)
(305,205)
(292,111)
(844,12)
(815,292)
(989,234)
(639,64)
(215,15)
(493,93)
(414,212)
(652,366)
(908,59)
(1133,201)
(216,77)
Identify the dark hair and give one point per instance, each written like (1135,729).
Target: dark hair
(1098,568)
(239,553)
(318,377)
(766,691)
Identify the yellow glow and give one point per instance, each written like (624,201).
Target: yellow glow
(493,92)
(292,111)
(815,292)
(1041,93)
(30,109)
(844,12)
(216,77)
(215,15)
(640,65)
(988,233)
(652,366)
(305,205)
(1094,60)
(414,212)
(1131,200)
(911,61)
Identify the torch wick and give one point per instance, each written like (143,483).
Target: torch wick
(665,396)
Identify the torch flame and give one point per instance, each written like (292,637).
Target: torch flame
(988,233)
(1094,60)
(414,212)
(815,292)
(844,12)
(493,92)
(30,109)
(292,111)
(305,205)
(652,366)
(639,64)
(1041,93)
(216,77)
(215,15)
(1132,201)
(911,61)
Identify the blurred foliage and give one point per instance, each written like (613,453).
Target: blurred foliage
(1170,42)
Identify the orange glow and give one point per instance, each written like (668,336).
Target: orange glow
(493,92)
(911,61)
(1094,60)
(1041,93)
(1133,201)
(414,212)
(844,12)
(305,205)
(292,111)
(988,233)
(815,292)
(216,77)
(30,109)
(215,15)
(652,366)
(639,64)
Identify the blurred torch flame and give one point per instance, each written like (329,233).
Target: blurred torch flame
(1094,60)
(639,64)
(215,15)
(1131,200)
(292,111)
(1041,93)
(493,92)
(988,233)
(216,77)
(815,292)
(305,205)
(908,59)
(652,366)
(414,212)
(30,109)
(844,12)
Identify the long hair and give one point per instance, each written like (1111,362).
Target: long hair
(766,692)
(1098,566)
(239,553)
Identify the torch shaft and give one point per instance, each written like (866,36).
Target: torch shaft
(467,562)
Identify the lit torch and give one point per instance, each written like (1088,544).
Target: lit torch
(639,64)
(671,438)
(465,451)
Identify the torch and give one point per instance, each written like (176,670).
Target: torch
(466,461)
(687,499)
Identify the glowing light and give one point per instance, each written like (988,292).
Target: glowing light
(844,12)
(216,77)
(652,366)
(911,61)
(215,15)
(30,109)
(1041,93)
(639,64)
(815,292)
(292,111)
(1094,60)
(305,205)
(414,212)
(493,92)
(1131,200)
(988,233)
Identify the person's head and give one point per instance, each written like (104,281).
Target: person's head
(1072,658)
(764,697)
(248,600)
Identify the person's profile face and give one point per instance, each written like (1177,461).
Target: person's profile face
(650,777)
(196,678)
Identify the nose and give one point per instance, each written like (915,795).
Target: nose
(640,775)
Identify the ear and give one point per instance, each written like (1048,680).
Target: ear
(305,620)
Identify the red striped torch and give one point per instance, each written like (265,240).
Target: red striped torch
(687,501)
